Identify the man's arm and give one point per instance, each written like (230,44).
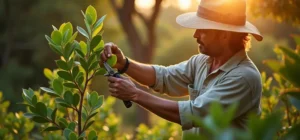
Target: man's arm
(164,108)
(142,73)
(123,88)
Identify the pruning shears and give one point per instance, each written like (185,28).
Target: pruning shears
(111,72)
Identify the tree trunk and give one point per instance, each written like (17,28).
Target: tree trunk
(141,52)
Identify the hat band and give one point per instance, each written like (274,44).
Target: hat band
(222,18)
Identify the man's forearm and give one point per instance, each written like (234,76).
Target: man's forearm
(143,73)
(164,108)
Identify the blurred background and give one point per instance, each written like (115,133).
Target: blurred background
(145,30)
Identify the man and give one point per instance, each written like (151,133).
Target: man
(222,72)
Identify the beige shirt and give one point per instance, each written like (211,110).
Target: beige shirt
(238,80)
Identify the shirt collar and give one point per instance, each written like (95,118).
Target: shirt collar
(232,62)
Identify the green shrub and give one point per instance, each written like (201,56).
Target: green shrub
(13,125)
(75,105)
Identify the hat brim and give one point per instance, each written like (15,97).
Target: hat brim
(191,20)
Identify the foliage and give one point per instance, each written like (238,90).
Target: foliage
(162,130)
(13,125)
(78,64)
(275,8)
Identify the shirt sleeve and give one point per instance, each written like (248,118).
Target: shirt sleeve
(228,91)
(173,80)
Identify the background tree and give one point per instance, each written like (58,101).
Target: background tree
(141,51)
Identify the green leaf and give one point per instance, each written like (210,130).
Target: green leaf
(65,75)
(54,28)
(91,11)
(51,128)
(90,116)
(70,85)
(34,100)
(101,71)
(57,49)
(273,64)
(39,119)
(88,125)
(98,26)
(73,37)
(79,53)
(62,122)
(295,102)
(62,102)
(83,115)
(68,50)
(80,78)
(50,41)
(99,22)
(72,136)
(62,64)
(56,37)
(50,91)
(290,53)
(99,102)
(61,27)
(29,115)
(112,60)
(48,73)
(94,65)
(57,86)
(95,41)
(72,126)
(49,112)
(89,19)
(75,71)
(26,97)
(99,47)
(93,99)
(76,99)
(68,96)
(71,63)
(87,24)
(260,128)
(91,59)
(84,64)
(92,135)
(83,47)
(41,109)
(67,31)
(83,32)
(53,115)
(66,133)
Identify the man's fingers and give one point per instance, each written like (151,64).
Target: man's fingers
(112,79)
(107,49)
(112,90)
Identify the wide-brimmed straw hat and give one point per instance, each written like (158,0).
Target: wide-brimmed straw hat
(227,15)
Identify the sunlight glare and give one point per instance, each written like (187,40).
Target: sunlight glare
(144,4)
(184,4)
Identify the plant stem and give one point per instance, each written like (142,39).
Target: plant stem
(80,105)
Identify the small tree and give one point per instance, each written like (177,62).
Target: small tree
(78,65)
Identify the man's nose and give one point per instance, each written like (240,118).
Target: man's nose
(196,34)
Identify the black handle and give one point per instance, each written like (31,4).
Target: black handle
(128,104)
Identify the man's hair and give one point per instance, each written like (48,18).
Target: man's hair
(240,41)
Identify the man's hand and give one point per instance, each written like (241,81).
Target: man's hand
(109,49)
(122,88)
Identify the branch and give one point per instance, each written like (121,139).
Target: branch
(142,17)
(114,5)
(156,10)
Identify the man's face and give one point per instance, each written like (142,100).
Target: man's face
(209,42)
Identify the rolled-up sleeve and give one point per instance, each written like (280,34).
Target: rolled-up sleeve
(228,91)
(173,80)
